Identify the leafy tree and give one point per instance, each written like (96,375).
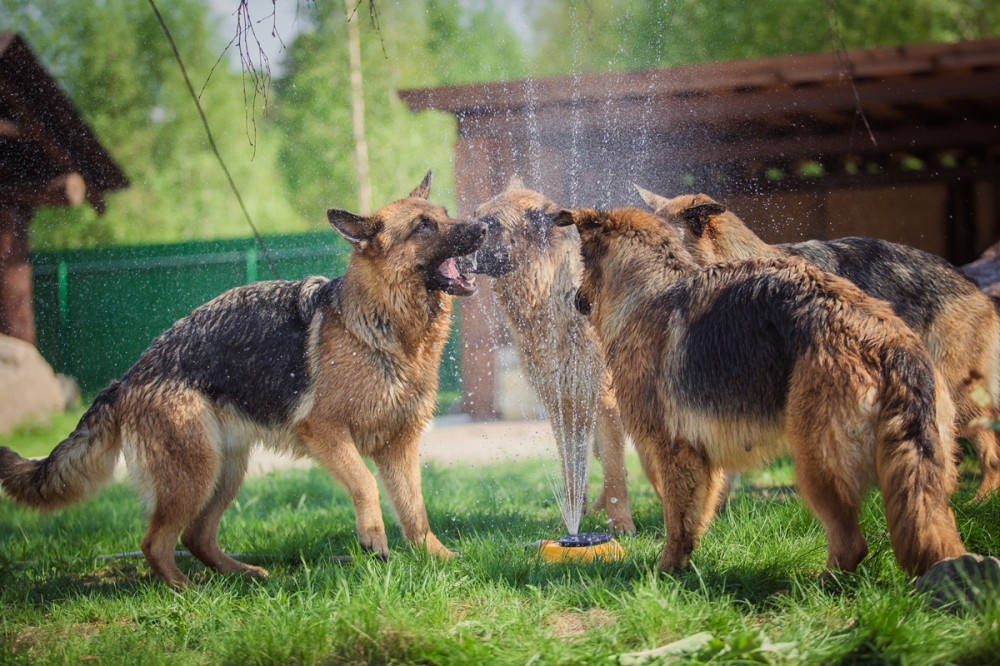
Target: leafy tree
(601,35)
(115,64)
(416,44)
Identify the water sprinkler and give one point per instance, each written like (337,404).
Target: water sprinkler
(581,548)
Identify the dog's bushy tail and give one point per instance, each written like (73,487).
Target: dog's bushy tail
(915,461)
(76,468)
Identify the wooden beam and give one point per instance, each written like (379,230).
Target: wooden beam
(751,76)
(479,317)
(66,190)
(17,317)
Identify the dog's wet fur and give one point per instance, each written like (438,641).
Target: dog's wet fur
(723,367)
(536,271)
(337,370)
(958,323)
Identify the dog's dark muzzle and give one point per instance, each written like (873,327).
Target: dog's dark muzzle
(493,260)
(451,275)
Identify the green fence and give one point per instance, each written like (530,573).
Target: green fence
(97,310)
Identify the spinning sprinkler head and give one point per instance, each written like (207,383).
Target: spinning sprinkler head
(581,548)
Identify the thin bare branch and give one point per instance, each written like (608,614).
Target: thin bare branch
(211,137)
(845,65)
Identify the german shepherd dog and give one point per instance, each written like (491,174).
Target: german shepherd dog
(956,320)
(536,271)
(333,369)
(724,366)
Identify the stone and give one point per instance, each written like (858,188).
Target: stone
(29,389)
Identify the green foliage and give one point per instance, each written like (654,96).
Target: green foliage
(414,45)
(296,159)
(600,35)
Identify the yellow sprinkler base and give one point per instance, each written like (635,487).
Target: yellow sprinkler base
(581,548)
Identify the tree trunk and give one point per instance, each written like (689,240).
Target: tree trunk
(358,108)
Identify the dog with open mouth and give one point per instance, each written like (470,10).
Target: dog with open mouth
(335,369)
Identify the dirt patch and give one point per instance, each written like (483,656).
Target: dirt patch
(455,441)
(568,625)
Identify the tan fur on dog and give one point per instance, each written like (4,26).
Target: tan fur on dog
(536,272)
(957,322)
(724,367)
(335,369)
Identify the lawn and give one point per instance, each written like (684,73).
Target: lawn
(753,592)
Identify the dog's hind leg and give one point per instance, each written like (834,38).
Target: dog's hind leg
(611,448)
(985,441)
(398,463)
(832,478)
(201,537)
(837,507)
(986,444)
(174,465)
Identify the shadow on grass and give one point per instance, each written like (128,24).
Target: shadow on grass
(301,521)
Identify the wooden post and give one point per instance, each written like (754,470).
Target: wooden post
(17,318)
(358,108)
(480,322)
(960,227)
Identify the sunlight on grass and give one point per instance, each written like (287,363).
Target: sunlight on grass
(752,592)
(39,438)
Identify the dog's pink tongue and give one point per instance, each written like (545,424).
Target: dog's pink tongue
(449,269)
(460,285)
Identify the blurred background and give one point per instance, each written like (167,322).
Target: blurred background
(325,103)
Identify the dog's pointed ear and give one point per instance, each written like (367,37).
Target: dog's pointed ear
(515,184)
(423,190)
(653,200)
(697,217)
(357,230)
(564,218)
(581,217)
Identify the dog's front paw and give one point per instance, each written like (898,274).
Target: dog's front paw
(376,544)
(436,548)
(380,555)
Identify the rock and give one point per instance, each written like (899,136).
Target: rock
(29,389)
(968,581)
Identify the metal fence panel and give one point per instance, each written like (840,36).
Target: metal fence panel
(97,310)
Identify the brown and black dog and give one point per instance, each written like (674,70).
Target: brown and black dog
(725,366)
(536,271)
(335,369)
(957,322)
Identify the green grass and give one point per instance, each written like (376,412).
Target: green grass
(753,592)
(39,438)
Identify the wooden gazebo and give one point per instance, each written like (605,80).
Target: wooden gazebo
(900,143)
(48,157)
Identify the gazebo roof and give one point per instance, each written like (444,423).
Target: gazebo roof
(930,107)
(48,154)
